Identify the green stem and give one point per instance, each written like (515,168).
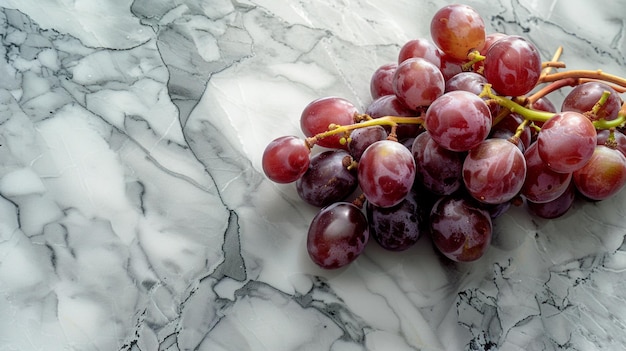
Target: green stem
(604,124)
(474,57)
(514,107)
(598,105)
(391,121)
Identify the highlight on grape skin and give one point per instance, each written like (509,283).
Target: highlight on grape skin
(285,159)
(459,128)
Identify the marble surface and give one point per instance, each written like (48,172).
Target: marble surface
(134,214)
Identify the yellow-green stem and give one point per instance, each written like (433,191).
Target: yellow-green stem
(382,121)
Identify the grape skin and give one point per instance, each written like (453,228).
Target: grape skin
(438,169)
(542,184)
(386,173)
(381,82)
(494,171)
(422,48)
(285,159)
(337,235)
(567,141)
(418,82)
(460,230)
(555,208)
(603,176)
(320,113)
(583,98)
(327,180)
(458,29)
(458,120)
(395,228)
(512,65)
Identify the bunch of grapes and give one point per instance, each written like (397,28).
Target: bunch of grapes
(459,129)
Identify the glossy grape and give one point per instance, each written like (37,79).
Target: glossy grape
(390,105)
(458,29)
(318,115)
(438,169)
(422,48)
(542,184)
(395,228)
(619,139)
(418,83)
(386,173)
(555,208)
(494,171)
(512,65)
(566,141)
(584,96)
(337,235)
(327,180)
(459,229)
(458,120)
(285,159)
(381,82)
(603,176)
(468,81)
(362,138)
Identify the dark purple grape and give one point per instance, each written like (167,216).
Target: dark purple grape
(361,138)
(395,228)
(460,230)
(438,169)
(337,235)
(327,180)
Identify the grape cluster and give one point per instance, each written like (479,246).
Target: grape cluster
(459,129)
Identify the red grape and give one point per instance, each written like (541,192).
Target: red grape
(420,48)
(418,83)
(337,235)
(557,207)
(460,229)
(386,173)
(390,105)
(542,184)
(458,120)
(468,81)
(512,65)
(583,97)
(457,30)
(618,137)
(318,115)
(566,141)
(438,169)
(327,180)
(381,83)
(603,176)
(285,159)
(494,171)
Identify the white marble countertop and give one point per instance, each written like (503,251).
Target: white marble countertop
(134,214)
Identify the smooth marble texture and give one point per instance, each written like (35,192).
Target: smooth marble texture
(134,214)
